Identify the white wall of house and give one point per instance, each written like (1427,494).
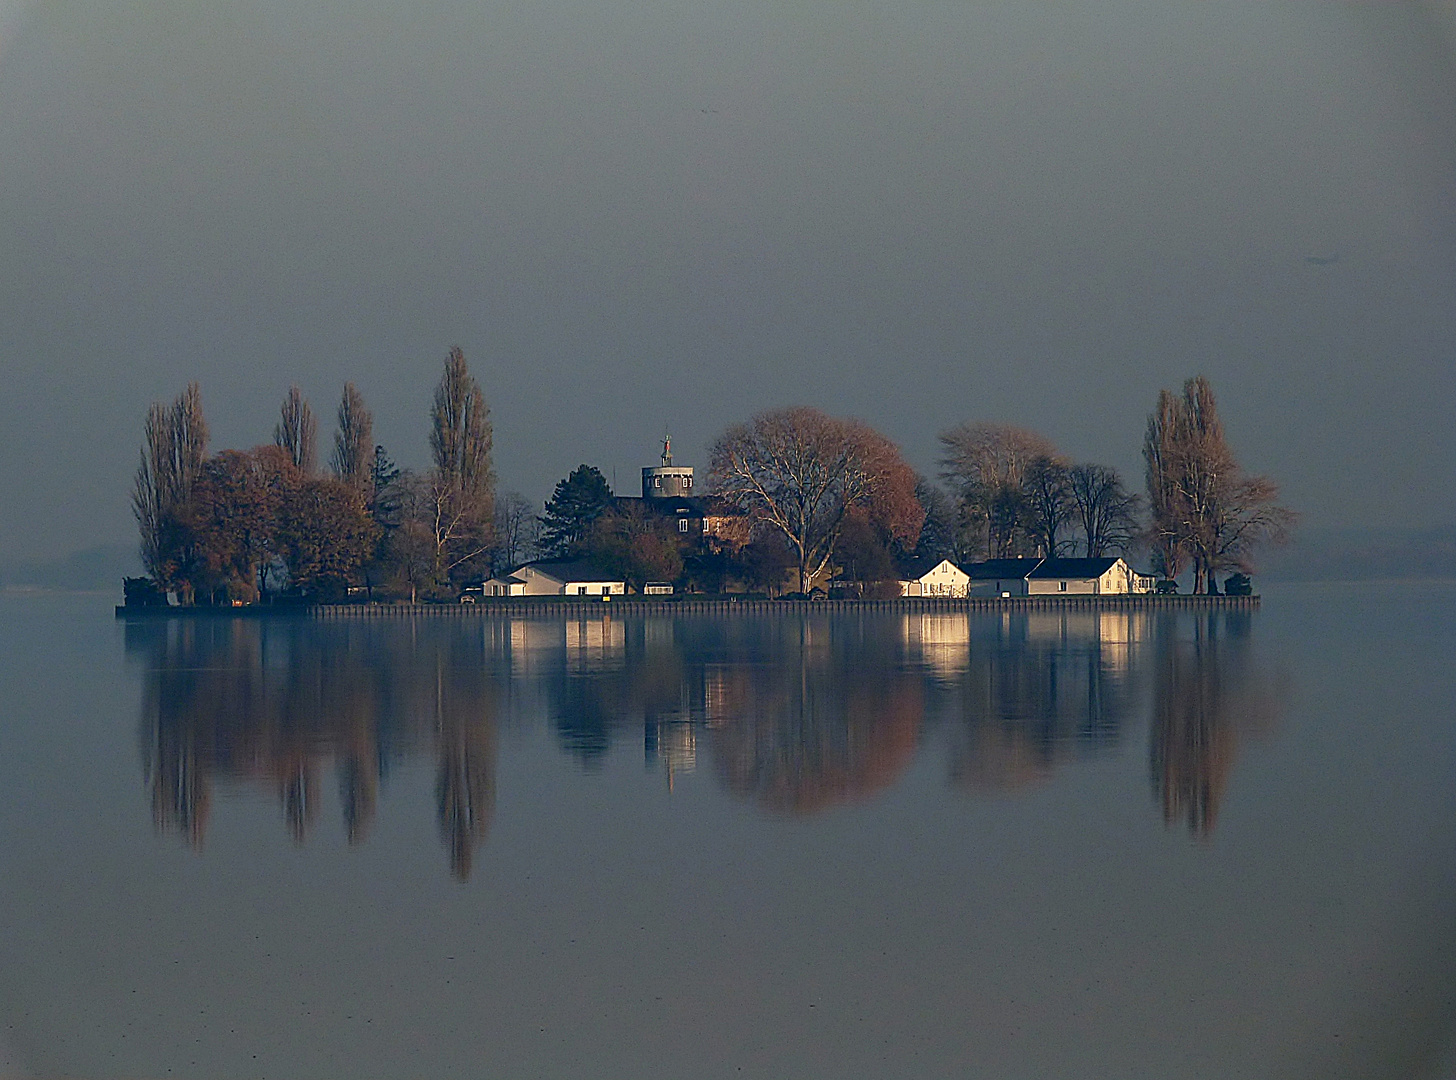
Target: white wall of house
(1118,578)
(1064,587)
(594,588)
(539,583)
(944,579)
(503,587)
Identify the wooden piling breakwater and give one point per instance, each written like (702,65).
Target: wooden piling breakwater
(596,607)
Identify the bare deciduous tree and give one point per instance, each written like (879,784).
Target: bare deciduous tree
(1166,533)
(799,473)
(232,521)
(297,431)
(1106,511)
(938,535)
(353,460)
(1046,496)
(174,448)
(637,544)
(514,521)
(985,464)
(1246,517)
(411,550)
(1204,507)
(463,481)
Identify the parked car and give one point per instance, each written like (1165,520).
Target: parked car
(1167,585)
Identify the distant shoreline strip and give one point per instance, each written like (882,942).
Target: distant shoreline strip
(570,607)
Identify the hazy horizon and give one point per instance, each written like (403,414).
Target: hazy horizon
(667,217)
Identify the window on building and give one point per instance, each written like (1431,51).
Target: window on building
(682,525)
(657,481)
(1061,586)
(687,481)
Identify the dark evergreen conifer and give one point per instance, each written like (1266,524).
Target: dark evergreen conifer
(571,511)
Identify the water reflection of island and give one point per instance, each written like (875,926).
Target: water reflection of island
(795,714)
(278,703)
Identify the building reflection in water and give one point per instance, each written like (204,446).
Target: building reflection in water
(1209,692)
(795,713)
(1036,688)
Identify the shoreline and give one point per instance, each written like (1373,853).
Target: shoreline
(570,606)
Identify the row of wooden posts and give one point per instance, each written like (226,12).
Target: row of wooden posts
(583,607)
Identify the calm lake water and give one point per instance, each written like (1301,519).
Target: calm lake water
(1045,845)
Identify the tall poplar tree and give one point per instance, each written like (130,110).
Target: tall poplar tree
(353,459)
(174,447)
(463,480)
(297,431)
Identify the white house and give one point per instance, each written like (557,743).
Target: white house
(555,577)
(1000,577)
(1086,577)
(506,585)
(945,578)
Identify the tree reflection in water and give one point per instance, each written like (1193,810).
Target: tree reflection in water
(1209,692)
(797,713)
(277,702)
(835,720)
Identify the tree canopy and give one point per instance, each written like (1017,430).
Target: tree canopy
(800,473)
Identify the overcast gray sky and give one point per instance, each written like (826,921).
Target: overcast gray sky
(669,214)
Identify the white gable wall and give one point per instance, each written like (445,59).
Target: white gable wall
(944,579)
